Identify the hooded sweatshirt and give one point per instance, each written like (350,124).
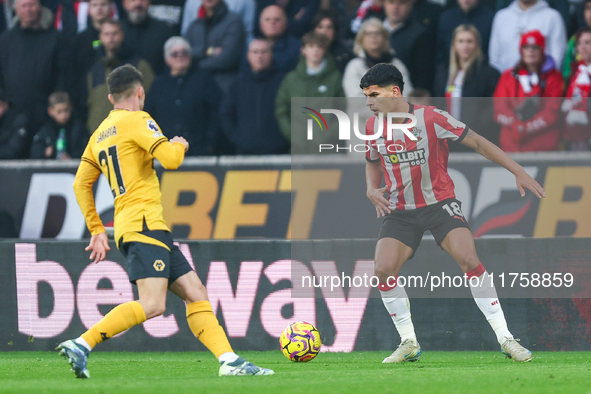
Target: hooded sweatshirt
(511,22)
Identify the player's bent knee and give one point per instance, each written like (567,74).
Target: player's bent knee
(196,293)
(157,311)
(468,261)
(153,309)
(383,273)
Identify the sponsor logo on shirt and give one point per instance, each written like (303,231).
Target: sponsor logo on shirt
(154,127)
(416,132)
(414,158)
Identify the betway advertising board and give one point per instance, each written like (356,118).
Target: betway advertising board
(319,198)
(52,292)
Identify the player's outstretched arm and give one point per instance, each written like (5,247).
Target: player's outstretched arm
(492,152)
(375,193)
(99,245)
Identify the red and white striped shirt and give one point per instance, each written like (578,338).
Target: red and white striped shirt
(416,171)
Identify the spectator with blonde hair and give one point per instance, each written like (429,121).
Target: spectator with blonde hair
(372,46)
(474,12)
(468,75)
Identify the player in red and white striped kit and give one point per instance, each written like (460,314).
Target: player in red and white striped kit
(420,197)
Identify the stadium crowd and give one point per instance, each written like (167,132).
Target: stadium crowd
(221,73)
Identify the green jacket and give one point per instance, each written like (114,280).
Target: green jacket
(570,58)
(327,83)
(98,102)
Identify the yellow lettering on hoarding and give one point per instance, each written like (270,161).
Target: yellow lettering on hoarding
(553,209)
(205,187)
(232,212)
(306,184)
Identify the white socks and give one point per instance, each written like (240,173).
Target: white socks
(485,296)
(398,306)
(228,356)
(82,341)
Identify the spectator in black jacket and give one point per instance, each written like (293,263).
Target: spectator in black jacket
(299,13)
(184,101)
(286,47)
(13,131)
(248,112)
(468,74)
(87,52)
(428,13)
(33,63)
(466,11)
(146,35)
(62,137)
(411,42)
(326,22)
(217,39)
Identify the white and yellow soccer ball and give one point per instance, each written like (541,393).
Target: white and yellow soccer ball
(300,342)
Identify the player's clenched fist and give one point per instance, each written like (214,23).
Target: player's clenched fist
(181,140)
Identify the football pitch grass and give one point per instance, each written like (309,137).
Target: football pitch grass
(356,372)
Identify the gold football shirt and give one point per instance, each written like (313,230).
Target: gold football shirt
(123,148)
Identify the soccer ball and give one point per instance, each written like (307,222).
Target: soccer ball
(300,342)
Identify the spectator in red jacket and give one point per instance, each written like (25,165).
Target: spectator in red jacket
(577,133)
(528,117)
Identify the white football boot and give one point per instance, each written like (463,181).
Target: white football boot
(512,349)
(408,350)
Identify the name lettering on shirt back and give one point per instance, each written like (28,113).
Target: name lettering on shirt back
(103,135)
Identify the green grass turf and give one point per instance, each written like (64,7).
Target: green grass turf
(357,372)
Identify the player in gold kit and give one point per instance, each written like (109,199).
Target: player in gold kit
(123,148)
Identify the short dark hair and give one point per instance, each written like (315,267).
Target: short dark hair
(123,80)
(312,38)
(58,98)
(580,32)
(382,74)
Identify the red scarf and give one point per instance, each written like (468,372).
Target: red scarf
(530,83)
(580,87)
(201,12)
